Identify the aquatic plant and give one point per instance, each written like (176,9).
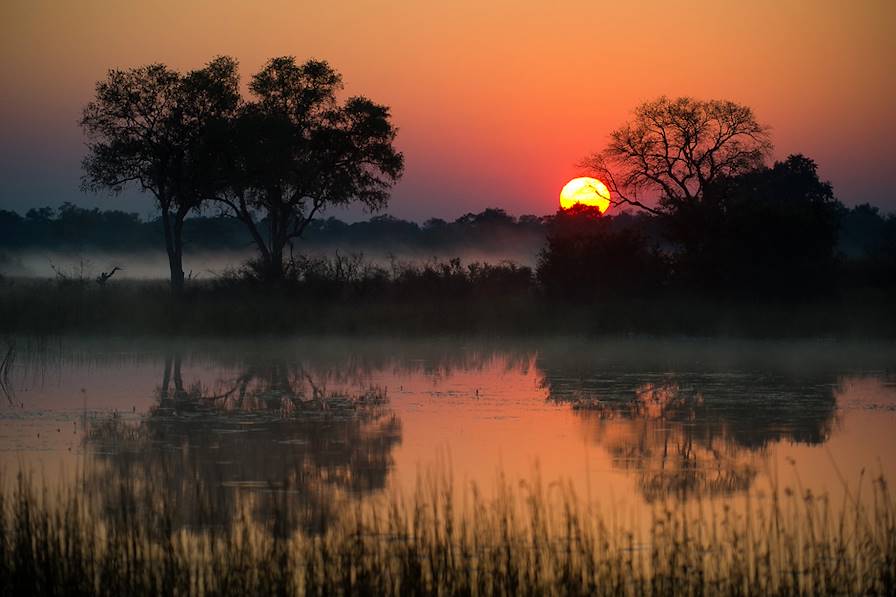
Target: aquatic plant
(523,539)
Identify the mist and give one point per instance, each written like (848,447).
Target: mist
(208,264)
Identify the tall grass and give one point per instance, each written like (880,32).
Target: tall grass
(350,294)
(525,539)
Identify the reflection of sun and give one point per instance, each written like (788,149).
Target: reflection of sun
(587,191)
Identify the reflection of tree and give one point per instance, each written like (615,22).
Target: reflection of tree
(657,435)
(271,437)
(691,433)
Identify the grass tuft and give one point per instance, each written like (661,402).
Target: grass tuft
(527,539)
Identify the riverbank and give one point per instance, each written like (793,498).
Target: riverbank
(29,306)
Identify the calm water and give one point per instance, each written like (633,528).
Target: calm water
(323,422)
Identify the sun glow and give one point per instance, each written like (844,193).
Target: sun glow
(587,191)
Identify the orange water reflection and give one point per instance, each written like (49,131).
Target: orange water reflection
(319,423)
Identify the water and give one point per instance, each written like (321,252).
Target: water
(322,423)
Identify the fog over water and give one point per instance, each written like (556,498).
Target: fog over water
(204,265)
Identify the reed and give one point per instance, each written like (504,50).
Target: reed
(524,539)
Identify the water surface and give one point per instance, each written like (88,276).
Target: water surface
(323,422)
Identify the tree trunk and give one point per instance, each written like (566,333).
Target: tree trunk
(276,220)
(175,256)
(244,215)
(275,267)
(179,393)
(178,242)
(166,378)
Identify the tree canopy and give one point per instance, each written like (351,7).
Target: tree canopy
(149,126)
(296,150)
(674,148)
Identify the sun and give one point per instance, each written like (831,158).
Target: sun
(587,191)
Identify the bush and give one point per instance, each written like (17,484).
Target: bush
(769,232)
(589,256)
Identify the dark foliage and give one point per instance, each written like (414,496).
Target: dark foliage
(868,247)
(774,232)
(768,231)
(151,128)
(351,278)
(589,256)
(294,149)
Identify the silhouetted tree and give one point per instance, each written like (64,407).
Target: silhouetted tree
(771,230)
(886,247)
(147,126)
(861,230)
(298,150)
(40,214)
(868,247)
(681,430)
(312,447)
(675,148)
(589,256)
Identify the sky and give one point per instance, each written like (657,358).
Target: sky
(495,101)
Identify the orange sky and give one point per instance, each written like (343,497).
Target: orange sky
(495,101)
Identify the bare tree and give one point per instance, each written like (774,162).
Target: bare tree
(675,148)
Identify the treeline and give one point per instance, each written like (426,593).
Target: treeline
(862,232)
(74,227)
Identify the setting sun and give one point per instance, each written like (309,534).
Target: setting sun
(587,191)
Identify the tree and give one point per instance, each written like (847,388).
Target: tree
(588,256)
(861,230)
(149,126)
(675,148)
(771,231)
(297,150)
